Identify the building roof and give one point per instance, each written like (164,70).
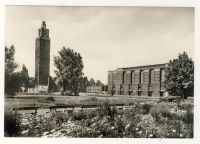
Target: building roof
(142,67)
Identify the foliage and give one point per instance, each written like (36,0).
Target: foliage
(50,98)
(188,117)
(180,76)
(113,123)
(10,64)
(92,82)
(69,73)
(185,106)
(99,83)
(52,84)
(24,77)
(12,79)
(146,108)
(11,124)
(160,109)
(13,83)
(84,84)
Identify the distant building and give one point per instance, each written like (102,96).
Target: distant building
(96,89)
(141,80)
(42,59)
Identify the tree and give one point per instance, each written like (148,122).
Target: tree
(25,77)
(84,84)
(92,82)
(12,78)
(52,84)
(69,73)
(10,64)
(179,78)
(99,83)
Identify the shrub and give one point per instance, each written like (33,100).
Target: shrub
(185,106)
(106,110)
(146,108)
(188,117)
(11,124)
(50,99)
(77,115)
(160,109)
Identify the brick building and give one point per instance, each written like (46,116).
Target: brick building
(42,58)
(141,80)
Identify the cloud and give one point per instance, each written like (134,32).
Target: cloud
(106,37)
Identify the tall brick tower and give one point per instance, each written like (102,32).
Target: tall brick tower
(42,57)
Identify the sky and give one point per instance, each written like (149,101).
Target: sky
(106,37)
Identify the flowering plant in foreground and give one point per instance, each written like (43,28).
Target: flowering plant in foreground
(143,120)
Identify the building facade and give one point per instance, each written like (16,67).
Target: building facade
(138,81)
(94,89)
(42,58)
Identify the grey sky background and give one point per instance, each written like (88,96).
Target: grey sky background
(106,37)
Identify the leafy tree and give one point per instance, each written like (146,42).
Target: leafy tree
(69,73)
(92,82)
(99,83)
(12,79)
(10,64)
(25,77)
(52,84)
(180,76)
(31,82)
(84,84)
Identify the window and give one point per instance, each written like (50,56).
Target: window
(133,77)
(141,76)
(162,75)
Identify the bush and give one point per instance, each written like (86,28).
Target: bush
(146,107)
(185,106)
(11,124)
(77,115)
(106,110)
(160,109)
(50,99)
(188,117)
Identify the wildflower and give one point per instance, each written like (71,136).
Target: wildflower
(181,135)
(100,136)
(150,135)
(136,129)
(140,132)
(23,132)
(127,126)
(112,127)
(173,130)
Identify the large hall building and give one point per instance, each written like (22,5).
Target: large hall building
(139,81)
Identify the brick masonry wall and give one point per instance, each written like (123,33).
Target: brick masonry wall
(148,79)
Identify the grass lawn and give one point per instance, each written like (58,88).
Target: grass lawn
(40,100)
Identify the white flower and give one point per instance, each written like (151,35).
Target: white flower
(150,135)
(23,132)
(112,127)
(181,135)
(127,126)
(136,129)
(173,130)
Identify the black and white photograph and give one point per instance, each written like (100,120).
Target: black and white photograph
(99,71)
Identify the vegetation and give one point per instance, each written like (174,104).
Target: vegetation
(69,73)
(11,124)
(143,120)
(14,80)
(180,76)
